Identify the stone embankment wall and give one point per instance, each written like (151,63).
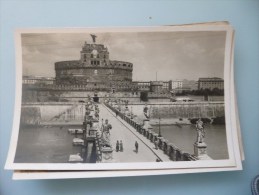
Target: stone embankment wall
(176,110)
(30,116)
(75,93)
(51,113)
(188,110)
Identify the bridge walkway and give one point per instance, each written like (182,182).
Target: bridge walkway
(121,130)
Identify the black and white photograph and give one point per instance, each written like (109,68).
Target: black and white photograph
(124,98)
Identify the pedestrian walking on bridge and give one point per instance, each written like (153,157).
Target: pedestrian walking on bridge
(136,147)
(117,146)
(121,146)
(156,144)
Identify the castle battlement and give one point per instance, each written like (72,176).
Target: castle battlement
(90,47)
(73,64)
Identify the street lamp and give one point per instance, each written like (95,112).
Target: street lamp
(159,132)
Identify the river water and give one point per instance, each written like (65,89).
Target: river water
(45,144)
(184,136)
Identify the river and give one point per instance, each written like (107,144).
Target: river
(184,136)
(45,144)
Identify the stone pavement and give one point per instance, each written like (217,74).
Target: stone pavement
(121,130)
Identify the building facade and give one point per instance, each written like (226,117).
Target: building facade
(191,84)
(176,84)
(210,83)
(142,85)
(38,80)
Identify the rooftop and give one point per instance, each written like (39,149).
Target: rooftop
(211,79)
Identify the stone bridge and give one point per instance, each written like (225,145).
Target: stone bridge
(149,136)
(124,128)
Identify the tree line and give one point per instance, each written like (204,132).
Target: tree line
(205,92)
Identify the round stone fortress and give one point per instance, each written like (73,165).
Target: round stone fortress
(95,69)
(94,74)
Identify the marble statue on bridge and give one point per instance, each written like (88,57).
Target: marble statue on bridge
(200,131)
(146,111)
(200,147)
(105,138)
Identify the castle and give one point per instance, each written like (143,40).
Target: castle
(94,74)
(95,70)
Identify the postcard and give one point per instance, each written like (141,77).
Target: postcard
(37,174)
(125,99)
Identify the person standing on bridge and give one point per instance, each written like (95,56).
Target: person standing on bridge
(117,146)
(136,147)
(121,146)
(156,144)
(96,115)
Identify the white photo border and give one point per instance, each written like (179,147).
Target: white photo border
(234,160)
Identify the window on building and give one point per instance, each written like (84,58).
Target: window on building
(84,57)
(92,55)
(93,62)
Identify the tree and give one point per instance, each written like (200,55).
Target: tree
(144,96)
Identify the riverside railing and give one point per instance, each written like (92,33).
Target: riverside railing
(174,153)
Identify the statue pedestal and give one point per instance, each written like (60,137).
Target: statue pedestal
(106,154)
(146,125)
(200,150)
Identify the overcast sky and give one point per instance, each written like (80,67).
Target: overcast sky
(173,55)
